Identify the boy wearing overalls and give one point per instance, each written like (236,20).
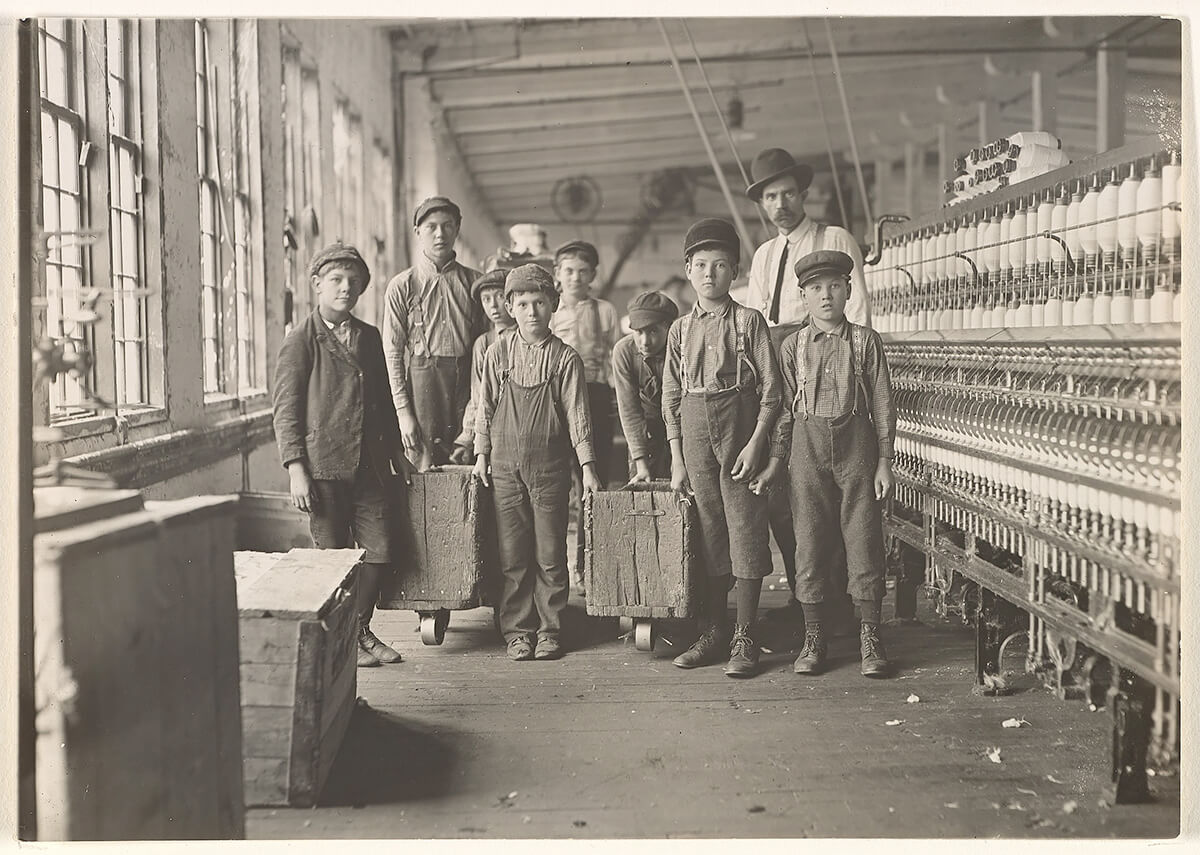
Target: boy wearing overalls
(533,420)
(488,290)
(637,368)
(721,397)
(839,426)
(430,322)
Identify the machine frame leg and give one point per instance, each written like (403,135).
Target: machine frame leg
(1132,700)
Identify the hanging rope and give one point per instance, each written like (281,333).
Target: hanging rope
(837,181)
(721,115)
(747,241)
(837,75)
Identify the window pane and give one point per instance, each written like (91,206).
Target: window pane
(55,86)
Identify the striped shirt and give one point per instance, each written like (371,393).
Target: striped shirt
(428,311)
(712,361)
(478,352)
(830,372)
(532,365)
(592,328)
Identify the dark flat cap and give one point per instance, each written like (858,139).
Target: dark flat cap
(823,261)
(436,203)
(339,253)
(529,277)
(651,307)
(581,248)
(772,164)
(492,279)
(711,232)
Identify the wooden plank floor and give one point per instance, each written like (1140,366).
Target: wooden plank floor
(610,742)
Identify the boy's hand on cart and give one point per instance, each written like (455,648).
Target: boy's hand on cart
(461,454)
(591,483)
(885,482)
(762,482)
(641,472)
(410,432)
(402,466)
(681,485)
(746,463)
(304,497)
(481,470)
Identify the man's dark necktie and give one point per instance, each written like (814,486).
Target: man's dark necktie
(774,314)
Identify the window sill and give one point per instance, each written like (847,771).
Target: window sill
(220,402)
(80,427)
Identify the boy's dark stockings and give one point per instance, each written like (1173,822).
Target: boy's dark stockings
(747,594)
(368,591)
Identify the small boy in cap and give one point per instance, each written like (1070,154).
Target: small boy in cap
(839,425)
(533,420)
(721,397)
(430,322)
(337,432)
(591,326)
(637,369)
(488,289)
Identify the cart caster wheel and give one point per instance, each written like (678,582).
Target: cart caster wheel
(644,635)
(433,626)
(626,625)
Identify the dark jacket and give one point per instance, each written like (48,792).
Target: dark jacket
(329,401)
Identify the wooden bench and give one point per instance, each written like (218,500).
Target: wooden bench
(641,557)
(298,632)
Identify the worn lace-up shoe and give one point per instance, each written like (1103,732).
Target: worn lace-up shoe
(548,647)
(366,659)
(369,642)
(874,657)
(812,655)
(708,649)
(743,653)
(520,650)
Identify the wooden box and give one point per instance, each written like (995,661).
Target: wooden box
(298,636)
(446,544)
(641,555)
(135,640)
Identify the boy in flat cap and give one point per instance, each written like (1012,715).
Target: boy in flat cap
(721,397)
(337,432)
(590,325)
(488,290)
(637,368)
(532,422)
(838,424)
(429,325)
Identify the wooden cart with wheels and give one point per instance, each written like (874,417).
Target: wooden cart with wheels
(641,558)
(445,550)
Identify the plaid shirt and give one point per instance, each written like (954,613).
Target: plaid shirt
(712,362)
(534,364)
(830,372)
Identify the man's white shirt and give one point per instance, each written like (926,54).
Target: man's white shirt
(799,242)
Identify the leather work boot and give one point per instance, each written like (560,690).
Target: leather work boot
(520,650)
(708,649)
(366,659)
(368,641)
(547,648)
(874,657)
(743,653)
(812,655)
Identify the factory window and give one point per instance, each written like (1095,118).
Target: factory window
(378,248)
(348,179)
(247,263)
(301,173)
(91,166)
(210,214)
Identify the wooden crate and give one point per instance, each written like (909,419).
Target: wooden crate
(137,689)
(446,552)
(298,634)
(641,557)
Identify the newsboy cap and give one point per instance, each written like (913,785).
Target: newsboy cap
(823,261)
(581,248)
(772,164)
(436,203)
(529,277)
(492,279)
(711,231)
(651,307)
(339,253)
